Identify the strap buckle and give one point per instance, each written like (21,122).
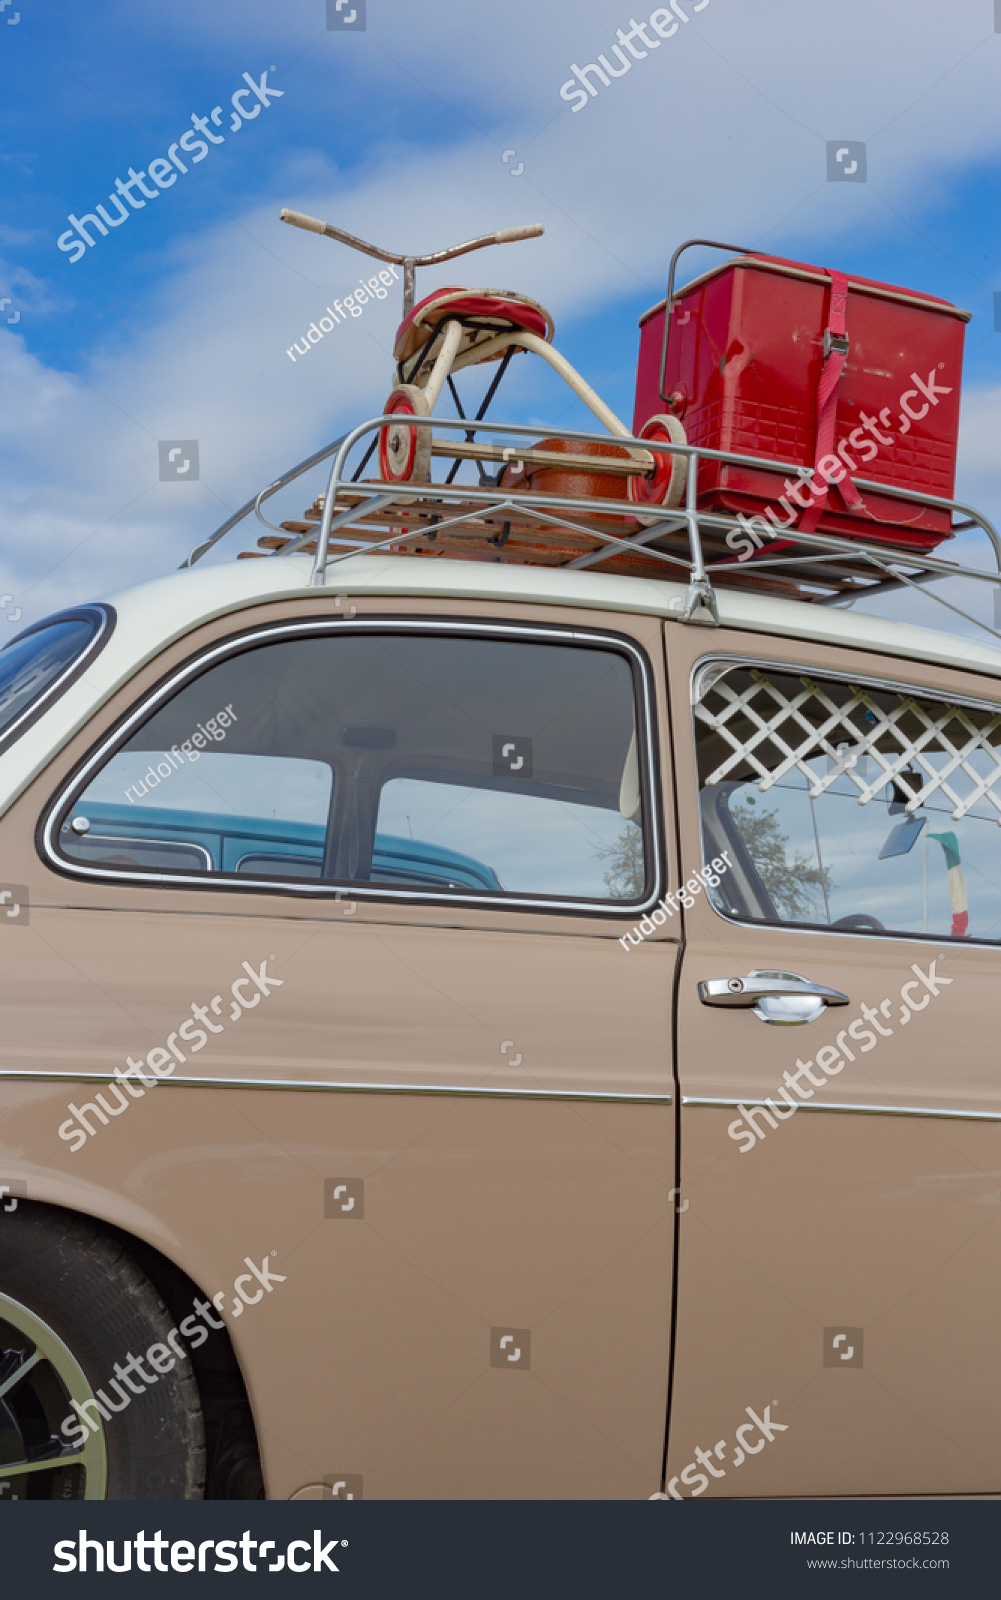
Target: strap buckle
(836,341)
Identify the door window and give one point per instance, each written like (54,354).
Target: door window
(850,805)
(418,761)
(535,843)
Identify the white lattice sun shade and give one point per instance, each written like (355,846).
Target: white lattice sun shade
(797,719)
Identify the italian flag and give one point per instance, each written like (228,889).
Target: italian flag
(957,883)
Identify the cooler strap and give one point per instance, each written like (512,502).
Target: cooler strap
(835,356)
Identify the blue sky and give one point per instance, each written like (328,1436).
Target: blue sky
(176,325)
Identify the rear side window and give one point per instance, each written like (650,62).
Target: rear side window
(39,664)
(850,804)
(416,762)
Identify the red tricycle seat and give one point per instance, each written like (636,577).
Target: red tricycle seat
(483,312)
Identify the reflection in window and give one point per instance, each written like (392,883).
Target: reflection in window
(430,763)
(528,843)
(851,806)
(31,664)
(211,814)
(795,879)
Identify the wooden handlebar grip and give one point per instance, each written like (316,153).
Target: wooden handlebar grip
(508,235)
(299,219)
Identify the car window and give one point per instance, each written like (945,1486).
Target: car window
(850,804)
(536,844)
(227,808)
(419,762)
(34,666)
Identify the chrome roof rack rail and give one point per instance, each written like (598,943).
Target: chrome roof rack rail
(574,532)
(255,504)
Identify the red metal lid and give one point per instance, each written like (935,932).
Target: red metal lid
(803,269)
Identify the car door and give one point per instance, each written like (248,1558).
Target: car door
(390,894)
(839,1254)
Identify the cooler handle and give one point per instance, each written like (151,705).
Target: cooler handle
(713,244)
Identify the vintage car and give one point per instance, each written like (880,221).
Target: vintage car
(487,924)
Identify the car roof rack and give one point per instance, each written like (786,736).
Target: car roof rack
(487,521)
(610,499)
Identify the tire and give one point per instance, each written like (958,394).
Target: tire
(74,1297)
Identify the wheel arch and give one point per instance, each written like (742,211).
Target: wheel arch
(233,1460)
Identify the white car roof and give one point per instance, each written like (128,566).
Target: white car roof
(152,615)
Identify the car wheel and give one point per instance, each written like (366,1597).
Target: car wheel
(73,1303)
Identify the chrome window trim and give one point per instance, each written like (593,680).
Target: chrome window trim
(263,855)
(974,702)
(621,644)
(39,1075)
(830,1105)
(158,844)
(107,618)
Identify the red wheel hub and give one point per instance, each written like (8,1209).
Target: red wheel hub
(404,453)
(664,486)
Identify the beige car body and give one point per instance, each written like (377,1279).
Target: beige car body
(587,1192)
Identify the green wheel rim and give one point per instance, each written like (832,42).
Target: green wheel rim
(44,1380)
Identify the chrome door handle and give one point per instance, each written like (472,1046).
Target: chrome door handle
(783,998)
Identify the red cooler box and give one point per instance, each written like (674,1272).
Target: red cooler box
(745,354)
